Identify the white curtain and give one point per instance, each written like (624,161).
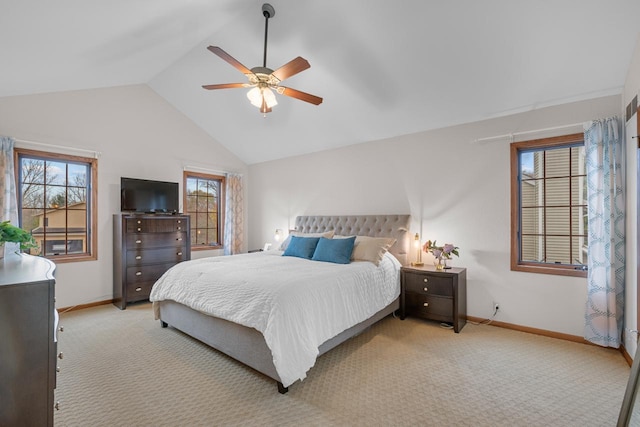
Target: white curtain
(8,198)
(606,254)
(234,215)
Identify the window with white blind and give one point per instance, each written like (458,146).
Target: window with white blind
(549,206)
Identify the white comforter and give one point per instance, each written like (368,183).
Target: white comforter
(295,303)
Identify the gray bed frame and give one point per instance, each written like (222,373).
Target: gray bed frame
(247,345)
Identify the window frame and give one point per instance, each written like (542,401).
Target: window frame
(92,202)
(516,148)
(221,208)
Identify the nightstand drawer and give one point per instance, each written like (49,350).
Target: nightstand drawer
(428,284)
(431,307)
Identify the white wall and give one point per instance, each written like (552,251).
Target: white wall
(456,191)
(631,89)
(139,135)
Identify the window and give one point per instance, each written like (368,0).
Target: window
(549,206)
(204,203)
(57,203)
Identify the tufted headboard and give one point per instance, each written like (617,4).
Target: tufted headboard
(396,226)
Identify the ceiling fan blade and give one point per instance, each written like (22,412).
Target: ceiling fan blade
(303,96)
(230,59)
(291,68)
(225,86)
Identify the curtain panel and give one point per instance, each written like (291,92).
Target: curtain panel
(234,215)
(604,150)
(8,198)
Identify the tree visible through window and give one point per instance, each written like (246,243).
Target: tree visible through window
(549,206)
(57,203)
(204,197)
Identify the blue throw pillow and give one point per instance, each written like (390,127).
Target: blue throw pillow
(301,247)
(334,250)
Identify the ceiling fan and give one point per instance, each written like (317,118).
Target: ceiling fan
(262,79)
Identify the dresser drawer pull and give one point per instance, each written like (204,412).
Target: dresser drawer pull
(60,355)
(179,239)
(426,304)
(138,273)
(179,253)
(425,280)
(138,241)
(138,289)
(140,257)
(426,289)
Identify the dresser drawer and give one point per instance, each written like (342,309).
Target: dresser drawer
(428,284)
(155,256)
(139,291)
(158,240)
(154,225)
(147,273)
(430,307)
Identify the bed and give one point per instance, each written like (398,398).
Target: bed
(252,342)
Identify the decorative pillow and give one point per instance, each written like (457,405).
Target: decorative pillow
(337,251)
(301,247)
(285,243)
(371,248)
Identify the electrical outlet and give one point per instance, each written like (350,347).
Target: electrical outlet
(496,306)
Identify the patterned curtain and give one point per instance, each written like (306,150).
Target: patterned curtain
(234,215)
(605,200)
(8,198)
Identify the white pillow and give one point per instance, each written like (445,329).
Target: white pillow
(370,248)
(285,243)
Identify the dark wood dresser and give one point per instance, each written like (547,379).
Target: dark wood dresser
(432,294)
(144,247)
(27,346)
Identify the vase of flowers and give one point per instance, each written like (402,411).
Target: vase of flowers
(440,253)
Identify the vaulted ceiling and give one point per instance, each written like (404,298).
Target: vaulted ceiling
(383,68)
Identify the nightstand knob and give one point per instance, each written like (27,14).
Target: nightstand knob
(60,355)
(57,368)
(426,304)
(426,289)
(425,280)
(57,406)
(139,222)
(139,229)
(179,228)
(61,328)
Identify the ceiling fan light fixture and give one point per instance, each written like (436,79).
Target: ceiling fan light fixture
(259,95)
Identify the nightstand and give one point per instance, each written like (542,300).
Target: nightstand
(432,294)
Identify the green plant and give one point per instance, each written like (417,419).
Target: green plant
(13,234)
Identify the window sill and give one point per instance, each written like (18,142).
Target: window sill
(545,269)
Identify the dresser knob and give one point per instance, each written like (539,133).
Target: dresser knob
(179,222)
(139,222)
(60,355)
(138,273)
(179,239)
(57,406)
(138,257)
(61,328)
(139,229)
(179,228)
(138,289)
(57,368)
(425,280)
(426,289)
(426,304)
(138,241)
(179,253)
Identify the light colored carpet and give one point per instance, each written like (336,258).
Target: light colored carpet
(121,369)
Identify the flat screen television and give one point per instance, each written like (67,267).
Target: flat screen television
(142,195)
